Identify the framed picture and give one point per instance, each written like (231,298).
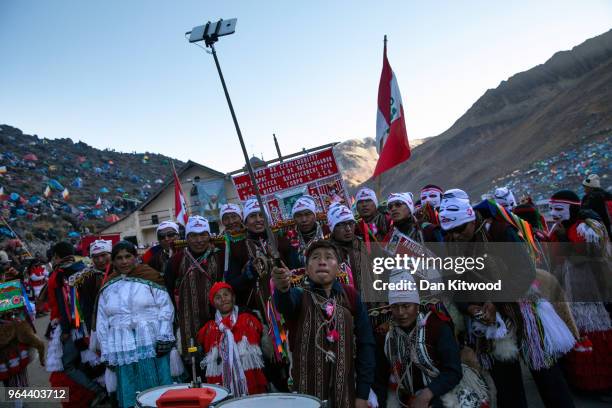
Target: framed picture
(288,198)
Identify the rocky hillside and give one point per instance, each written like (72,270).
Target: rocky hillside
(29,164)
(357,159)
(532,116)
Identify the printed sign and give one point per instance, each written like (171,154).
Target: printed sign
(316,174)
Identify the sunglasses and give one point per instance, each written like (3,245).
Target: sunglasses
(167,235)
(345,225)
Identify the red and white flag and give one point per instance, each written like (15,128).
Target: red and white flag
(99,203)
(180,207)
(391,136)
(47,192)
(66,194)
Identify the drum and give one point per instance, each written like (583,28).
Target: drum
(148,398)
(277,400)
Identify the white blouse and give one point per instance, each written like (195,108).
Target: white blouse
(133,314)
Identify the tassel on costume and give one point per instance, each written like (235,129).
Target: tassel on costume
(558,340)
(110,379)
(532,344)
(176,364)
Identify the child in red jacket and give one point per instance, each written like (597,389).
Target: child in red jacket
(231,344)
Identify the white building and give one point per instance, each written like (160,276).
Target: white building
(140,225)
(142,222)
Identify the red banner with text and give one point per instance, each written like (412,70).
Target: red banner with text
(315,174)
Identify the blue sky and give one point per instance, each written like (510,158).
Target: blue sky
(120,74)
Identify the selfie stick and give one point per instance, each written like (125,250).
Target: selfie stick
(210,39)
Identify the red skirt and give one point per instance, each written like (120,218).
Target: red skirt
(591,369)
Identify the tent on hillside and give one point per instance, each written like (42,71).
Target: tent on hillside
(78,182)
(55,185)
(112,218)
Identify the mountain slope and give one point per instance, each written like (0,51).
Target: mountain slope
(357,159)
(532,115)
(31,163)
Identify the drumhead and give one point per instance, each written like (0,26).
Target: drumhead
(148,398)
(277,400)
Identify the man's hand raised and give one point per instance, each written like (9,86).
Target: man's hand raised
(281,276)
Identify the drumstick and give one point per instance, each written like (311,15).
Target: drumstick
(192,350)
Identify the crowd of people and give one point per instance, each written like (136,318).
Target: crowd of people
(290,312)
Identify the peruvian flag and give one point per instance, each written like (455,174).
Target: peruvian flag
(391,136)
(66,194)
(99,203)
(180,206)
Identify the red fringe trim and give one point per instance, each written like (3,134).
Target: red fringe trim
(256,381)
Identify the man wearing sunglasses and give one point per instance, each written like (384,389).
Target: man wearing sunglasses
(157,256)
(373,223)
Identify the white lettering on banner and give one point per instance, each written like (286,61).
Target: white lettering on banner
(318,173)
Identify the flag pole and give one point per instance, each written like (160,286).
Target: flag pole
(175,177)
(379,178)
(271,238)
(16,236)
(280,156)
